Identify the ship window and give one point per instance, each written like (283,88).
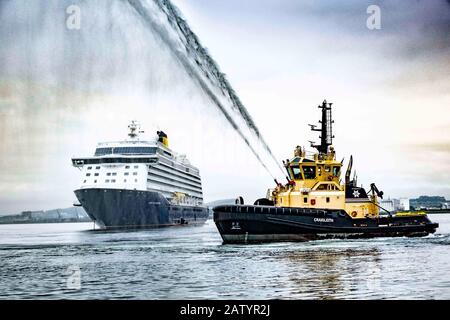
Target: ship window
(88,174)
(113,181)
(84,181)
(124,180)
(296,172)
(135,180)
(322,186)
(95,181)
(336,171)
(98,167)
(89,168)
(103,151)
(136,167)
(305,200)
(328,199)
(96,174)
(114,174)
(327,169)
(309,172)
(108,174)
(126,173)
(107,180)
(134,173)
(134,150)
(127,167)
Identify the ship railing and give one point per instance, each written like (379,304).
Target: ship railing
(144,142)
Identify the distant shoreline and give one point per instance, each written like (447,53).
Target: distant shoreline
(44,222)
(60,215)
(87,220)
(434,211)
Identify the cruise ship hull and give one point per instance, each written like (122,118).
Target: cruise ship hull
(122,208)
(245,224)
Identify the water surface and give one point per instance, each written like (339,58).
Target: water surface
(44,261)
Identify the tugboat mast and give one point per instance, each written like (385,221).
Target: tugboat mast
(326,135)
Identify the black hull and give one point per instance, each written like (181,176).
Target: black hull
(120,208)
(245,224)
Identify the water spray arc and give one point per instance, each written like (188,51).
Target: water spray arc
(166,21)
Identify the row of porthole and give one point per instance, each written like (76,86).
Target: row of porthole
(98,167)
(111,174)
(112,181)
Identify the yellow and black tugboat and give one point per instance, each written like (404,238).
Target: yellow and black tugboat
(315,204)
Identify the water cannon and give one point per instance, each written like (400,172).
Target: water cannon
(375,190)
(277,183)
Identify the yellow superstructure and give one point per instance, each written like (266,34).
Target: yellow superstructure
(314,180)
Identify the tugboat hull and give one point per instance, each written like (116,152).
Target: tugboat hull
(246,224)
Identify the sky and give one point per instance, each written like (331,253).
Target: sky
(63,90)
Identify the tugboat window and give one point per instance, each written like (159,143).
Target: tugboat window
(322,187)
(327,169)
(296,172)
(336,171)
(309,172)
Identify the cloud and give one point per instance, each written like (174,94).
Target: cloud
(59,88)
(442,148)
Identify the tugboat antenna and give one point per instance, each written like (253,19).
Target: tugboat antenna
(326,134)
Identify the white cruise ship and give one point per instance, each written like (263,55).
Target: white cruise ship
(138,183)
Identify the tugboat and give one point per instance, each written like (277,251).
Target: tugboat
(315,204)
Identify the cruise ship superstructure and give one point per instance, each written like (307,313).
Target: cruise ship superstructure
(138,183)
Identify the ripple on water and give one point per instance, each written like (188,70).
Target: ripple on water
(177,263)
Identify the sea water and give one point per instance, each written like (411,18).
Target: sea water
(73,261)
